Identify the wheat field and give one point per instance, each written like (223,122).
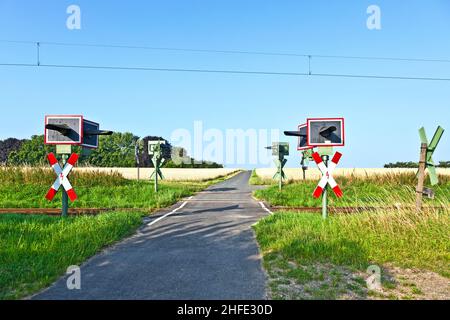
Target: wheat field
(169,174)
(295,174)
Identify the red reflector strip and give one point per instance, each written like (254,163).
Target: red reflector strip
(318,192)
(52,159)
(51,194)
(317,157)
(72,195)
(337,157)
(73,159)
(338,192)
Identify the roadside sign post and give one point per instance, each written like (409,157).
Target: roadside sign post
(306,156)
(65,197)
(280,175)
(136,155)
(62,179)
(421,176)
(427,150)
(324,134)
(327,178)
(302,146)
(64,131)
(431,148)
(155,150)
(325,192)
(64,151)
(280,150)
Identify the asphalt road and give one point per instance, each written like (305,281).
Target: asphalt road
(204,251)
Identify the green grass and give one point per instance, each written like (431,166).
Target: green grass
(36,250)
(358,192)
(327,259)
(256,180)
(345,245)
(24,189)
(406,239)
(132,195)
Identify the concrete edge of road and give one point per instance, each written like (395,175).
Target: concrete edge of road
(264,207)
(161,217)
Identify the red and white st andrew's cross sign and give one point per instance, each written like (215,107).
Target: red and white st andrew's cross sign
(327,175)
(62,177)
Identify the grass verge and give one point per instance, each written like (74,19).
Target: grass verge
(256,180)
(309,258)
(36,250)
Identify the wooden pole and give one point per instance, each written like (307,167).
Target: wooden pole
(421,176)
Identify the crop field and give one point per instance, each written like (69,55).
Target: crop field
(296,174)
(170,174)
(310,258)
(36,250)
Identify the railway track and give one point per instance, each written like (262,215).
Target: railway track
(96,211)
(348,210)
(57,212)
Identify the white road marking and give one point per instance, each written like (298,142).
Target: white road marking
(265,208)
(168,214)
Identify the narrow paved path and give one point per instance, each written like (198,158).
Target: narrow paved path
(205,250)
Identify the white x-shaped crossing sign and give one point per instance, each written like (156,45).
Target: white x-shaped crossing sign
(327,175)
(62,177)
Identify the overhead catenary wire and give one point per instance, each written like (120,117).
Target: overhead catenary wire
(242,72)
(222,71)
(244,52)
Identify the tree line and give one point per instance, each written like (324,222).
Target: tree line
(414,165)
(118,150)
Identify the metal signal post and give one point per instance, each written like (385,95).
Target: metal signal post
(64,131)
(280,150)
(65,197)
(306,156)
(62,177)
(280,175)
(325,192)
(430,149)
(155,150)
(426,162)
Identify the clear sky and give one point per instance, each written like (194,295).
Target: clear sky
(382,116)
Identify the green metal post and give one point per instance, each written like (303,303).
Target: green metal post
(65,198)
(325,192)
(156,164)
(280,171)
(302,164)
(431,148)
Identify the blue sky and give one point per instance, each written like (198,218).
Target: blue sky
(382,116)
